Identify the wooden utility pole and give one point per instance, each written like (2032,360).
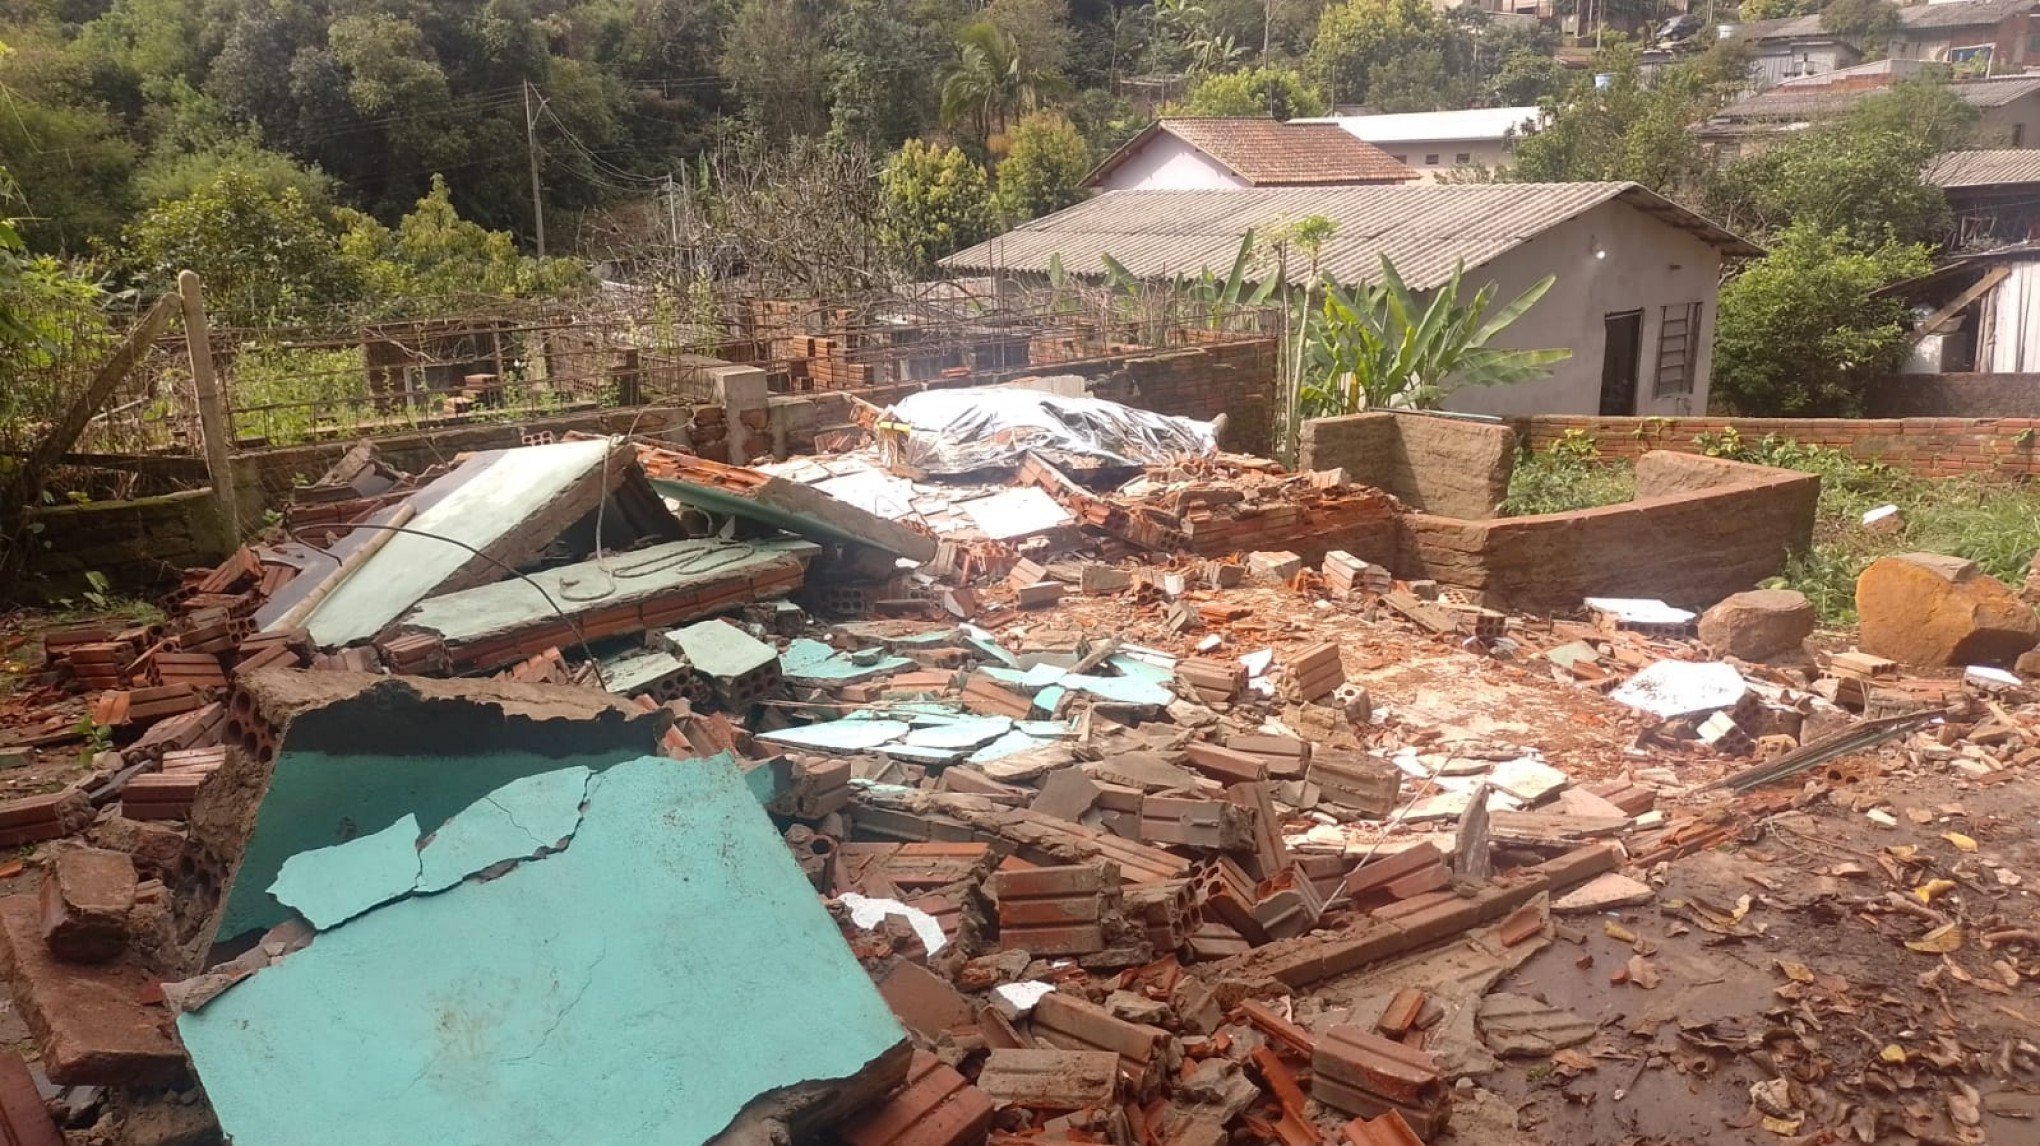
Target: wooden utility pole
(213,422)
(531,146)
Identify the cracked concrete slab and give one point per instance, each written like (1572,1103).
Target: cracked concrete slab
(647,983)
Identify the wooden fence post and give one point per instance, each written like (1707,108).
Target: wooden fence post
(212,408)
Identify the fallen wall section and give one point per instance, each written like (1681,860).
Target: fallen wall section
(1930,447)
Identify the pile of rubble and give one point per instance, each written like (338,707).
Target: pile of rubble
(1155,807)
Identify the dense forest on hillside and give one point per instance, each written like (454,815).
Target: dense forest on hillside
(117,106)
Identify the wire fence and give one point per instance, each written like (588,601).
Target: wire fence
(621,348)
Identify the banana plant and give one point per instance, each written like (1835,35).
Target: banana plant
(1379,346)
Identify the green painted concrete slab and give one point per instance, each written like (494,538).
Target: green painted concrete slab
(840,735)
(605,583)
(520,819)
(642,985)
(504,490)
(808,661)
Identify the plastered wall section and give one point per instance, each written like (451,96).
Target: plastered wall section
(1448,466)
(1700,529)
(1648,265)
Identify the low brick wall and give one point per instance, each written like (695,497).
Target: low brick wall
(139,545)
(1954,396)
(1699,529)
(1456,467)
(1932,447)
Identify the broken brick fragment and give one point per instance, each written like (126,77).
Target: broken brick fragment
(86,896)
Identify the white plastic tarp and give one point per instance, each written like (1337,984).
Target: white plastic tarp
(985,427)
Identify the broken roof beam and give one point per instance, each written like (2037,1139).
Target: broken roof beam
(789,505)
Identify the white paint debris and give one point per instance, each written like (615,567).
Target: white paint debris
(1681,688)
(1640,611)
(1984,676)
(867,913)
(1021,997)
(1257,662)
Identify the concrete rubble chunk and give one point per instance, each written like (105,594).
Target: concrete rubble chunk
(1758,625)
(86,896)
(1603,893)
(1931,610)
(1519,1025)
(1050,1079)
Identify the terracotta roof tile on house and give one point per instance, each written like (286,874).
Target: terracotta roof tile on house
(1270,153)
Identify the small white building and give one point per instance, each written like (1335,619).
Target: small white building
(1637,274)
(1220,154)
(1434,142)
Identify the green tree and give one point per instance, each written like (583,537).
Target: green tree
(934,201)
(884,57)
(435,257)
(1527,78)
(1414,57)
(1867,24)
(1799,332)
(1859,177)
(264,256)
(1046,161)
(991,82)
(1281,93)
(769,56)
(1778,9)
(1629,129)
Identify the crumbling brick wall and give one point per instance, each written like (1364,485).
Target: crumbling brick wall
(137,545)
(1700,529)
(1931,447)
(1456,467)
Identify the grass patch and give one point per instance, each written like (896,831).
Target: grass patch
(1995,523)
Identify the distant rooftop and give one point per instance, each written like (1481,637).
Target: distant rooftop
(1466,124)
(1270,153)
(1918,17)
(1958,169)
(1792,102)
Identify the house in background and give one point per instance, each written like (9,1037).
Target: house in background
(1231,153)
(1993,195)
(1977,313)
(2008,106)
(1434,142)
(1975,37)
(1634,297)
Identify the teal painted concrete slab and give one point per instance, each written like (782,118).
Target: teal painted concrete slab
(1011,744)
(840,735)
(642,985)
(967,734)
(1123,689)
(1030,681)
(630,672)
(719,649)
(518,820)
(319,799)
(808,661)
(329,886)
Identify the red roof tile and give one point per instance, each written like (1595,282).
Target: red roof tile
(1270,153)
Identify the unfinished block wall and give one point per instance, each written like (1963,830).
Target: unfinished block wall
(141,544)
(1932,447)
(1700,529)
(1450,466)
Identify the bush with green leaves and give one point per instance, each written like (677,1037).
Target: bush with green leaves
(1381,346)
(934,201)
(1800,331)
(1046,161)
(265,255)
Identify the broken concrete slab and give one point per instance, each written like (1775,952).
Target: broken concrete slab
(799,509)
(617,594)
(572,988)
(1668,689)
(1603,893)
(507,504)
(333,755)
(1517,1025)
(86,896)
